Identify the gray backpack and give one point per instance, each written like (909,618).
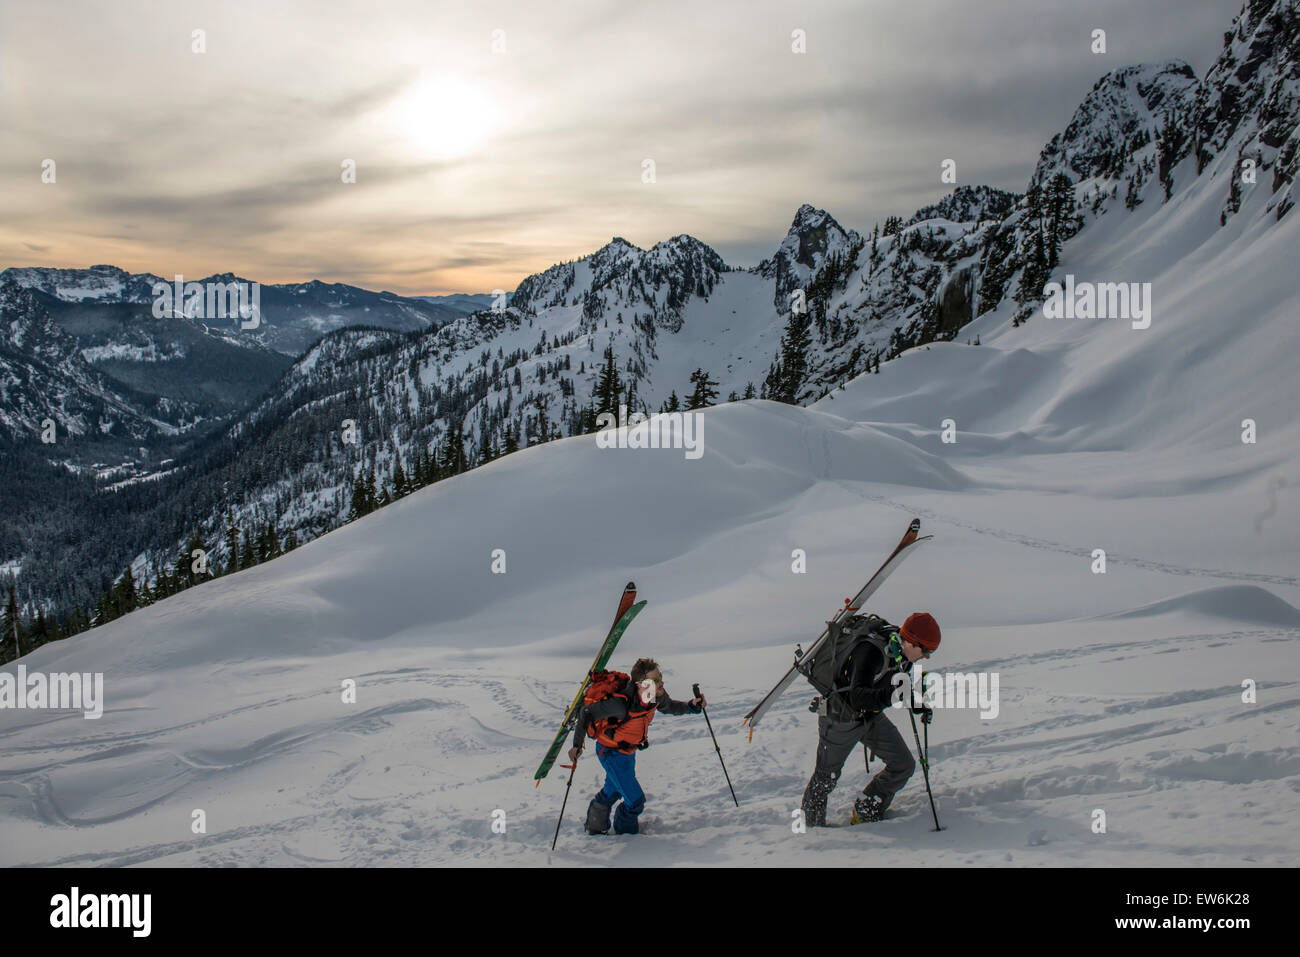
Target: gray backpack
(824,669)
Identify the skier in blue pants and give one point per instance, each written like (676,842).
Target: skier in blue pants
(619,724)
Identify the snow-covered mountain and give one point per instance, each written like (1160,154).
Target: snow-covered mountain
(527,372)
(292,315)
(814,239)
(467,611)
(44,377)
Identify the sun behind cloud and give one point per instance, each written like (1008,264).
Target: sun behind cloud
(442,117)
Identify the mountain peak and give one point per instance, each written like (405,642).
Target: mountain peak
(813,238)
(682,242)
(1125,105)
(810,217)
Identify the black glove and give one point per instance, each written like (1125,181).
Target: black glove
(926,713)
(645,743)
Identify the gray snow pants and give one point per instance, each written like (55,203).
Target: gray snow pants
(835,739)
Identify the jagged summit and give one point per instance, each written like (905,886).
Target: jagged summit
(1127,104)
(813,239)
(1248,106)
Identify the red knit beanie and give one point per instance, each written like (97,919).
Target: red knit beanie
(921,629)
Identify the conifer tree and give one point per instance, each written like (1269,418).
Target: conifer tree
(794,359)
(124,598)
(232,545)
(358,506)
(11,630)
(452,458)
(609,386)
(40,629)
(272,541)
(1059,199)
(371,496)
(103,610)
(704,394)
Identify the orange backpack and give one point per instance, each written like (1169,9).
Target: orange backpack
(604,684)
(622,735)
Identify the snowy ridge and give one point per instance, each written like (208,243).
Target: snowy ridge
(969,204)
(1122,104)
(1248,106)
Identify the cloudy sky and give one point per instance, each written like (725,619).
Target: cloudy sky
(493,139)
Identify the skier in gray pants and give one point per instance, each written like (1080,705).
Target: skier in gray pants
(865,686)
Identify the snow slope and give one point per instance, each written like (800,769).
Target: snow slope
(1119,691)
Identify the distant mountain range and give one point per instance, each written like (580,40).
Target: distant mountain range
(257,438)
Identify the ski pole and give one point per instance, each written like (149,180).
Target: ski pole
(925,764)
(573,769)
(696,688)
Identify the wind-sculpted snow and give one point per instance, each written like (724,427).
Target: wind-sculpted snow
(1244,604)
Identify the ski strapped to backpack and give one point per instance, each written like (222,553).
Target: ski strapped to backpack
(909,542)
(627,611)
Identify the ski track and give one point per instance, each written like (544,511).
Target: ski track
(1015,538)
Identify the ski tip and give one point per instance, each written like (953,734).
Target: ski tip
(630,586)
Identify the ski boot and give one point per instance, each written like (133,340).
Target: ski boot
(868,808)
(597,817)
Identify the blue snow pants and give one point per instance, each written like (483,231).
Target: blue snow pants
(620,782)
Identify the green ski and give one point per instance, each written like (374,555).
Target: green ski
(626,612)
